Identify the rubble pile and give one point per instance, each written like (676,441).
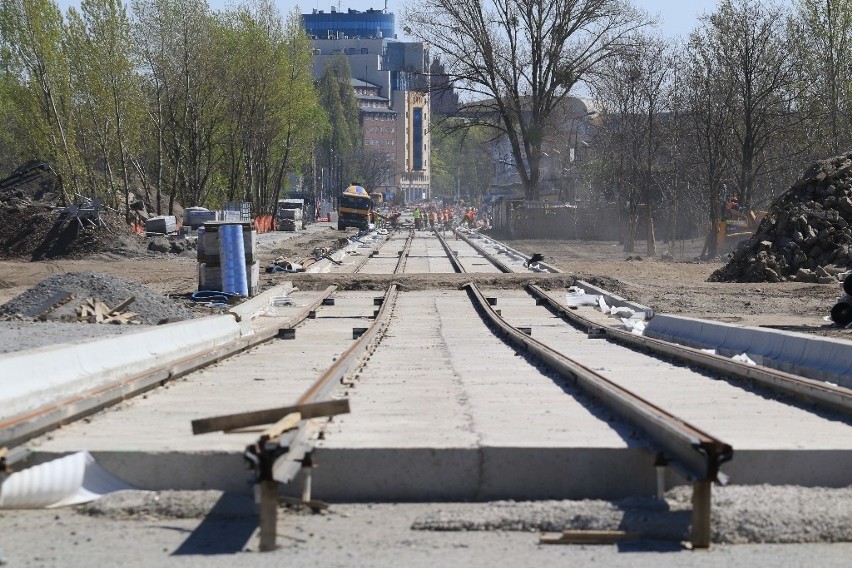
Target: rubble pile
(64,297)
(35,225)
(806,234)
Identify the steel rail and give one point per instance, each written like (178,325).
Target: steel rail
(457,265)
(831,397)
(279,459)
(403,255)
(18,429)
(501,266)
(695,453)
(367,258)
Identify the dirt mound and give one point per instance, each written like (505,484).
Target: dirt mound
(37,232)
(805,236)
(35,224)
(150,306)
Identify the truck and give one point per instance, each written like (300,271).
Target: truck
(289,214)
(353,208)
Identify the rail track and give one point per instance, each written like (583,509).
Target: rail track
(339,342)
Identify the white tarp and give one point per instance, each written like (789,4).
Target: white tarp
(70,480)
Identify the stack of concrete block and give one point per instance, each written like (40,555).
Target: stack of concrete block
(210,256)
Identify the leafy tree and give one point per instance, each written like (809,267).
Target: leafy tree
(337,97)
(107,90)
(31,35)
(273,112)
(461,164)
(519,59)
(180,44)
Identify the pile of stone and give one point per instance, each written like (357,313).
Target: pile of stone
(806,234)
(150,307)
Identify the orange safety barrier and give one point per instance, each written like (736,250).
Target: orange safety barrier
(263,223)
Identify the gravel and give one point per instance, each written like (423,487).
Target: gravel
(205,528)
(741,515)
(151,307)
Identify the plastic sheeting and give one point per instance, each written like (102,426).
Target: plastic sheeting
(69,480)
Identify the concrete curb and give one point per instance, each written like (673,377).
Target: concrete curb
(819,358)
(250,309)
(37,377)
(613,300)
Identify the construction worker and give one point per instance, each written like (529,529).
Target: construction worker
(416,218)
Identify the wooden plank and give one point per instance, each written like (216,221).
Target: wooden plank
(258,417)
(586,537)
(289,422)
(701,507)
(119,308)
(50,304)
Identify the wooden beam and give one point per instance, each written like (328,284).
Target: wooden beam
(586,537)
(258,417)
(701,507)
(123,305)
(61,297)
(268,515)
(287,423)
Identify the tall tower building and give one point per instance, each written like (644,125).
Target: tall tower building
(391,81)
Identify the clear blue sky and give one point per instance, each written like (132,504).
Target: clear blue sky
(677,17)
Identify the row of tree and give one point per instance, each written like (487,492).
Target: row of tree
(739,108)
(184,103)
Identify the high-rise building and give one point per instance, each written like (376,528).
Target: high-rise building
(391,81)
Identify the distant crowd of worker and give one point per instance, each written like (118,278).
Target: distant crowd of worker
(430,217)
(434,218)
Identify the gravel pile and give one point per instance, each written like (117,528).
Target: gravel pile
(741,514)
(805,236)
(151,306)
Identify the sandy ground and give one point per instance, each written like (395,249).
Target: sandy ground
(217,531)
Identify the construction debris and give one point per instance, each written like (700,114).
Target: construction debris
(95,311)
(100,298)
(806,234)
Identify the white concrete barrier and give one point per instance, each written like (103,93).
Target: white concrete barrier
(36,377)
(820,358)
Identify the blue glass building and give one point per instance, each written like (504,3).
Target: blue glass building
(350,24)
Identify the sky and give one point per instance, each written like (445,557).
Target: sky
(677,17)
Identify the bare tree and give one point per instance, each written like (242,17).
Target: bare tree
(748,42)
(373,169)
(520,58)
(708,104)
(634,91)
(822,33)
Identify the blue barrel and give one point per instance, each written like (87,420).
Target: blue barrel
(232,256)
